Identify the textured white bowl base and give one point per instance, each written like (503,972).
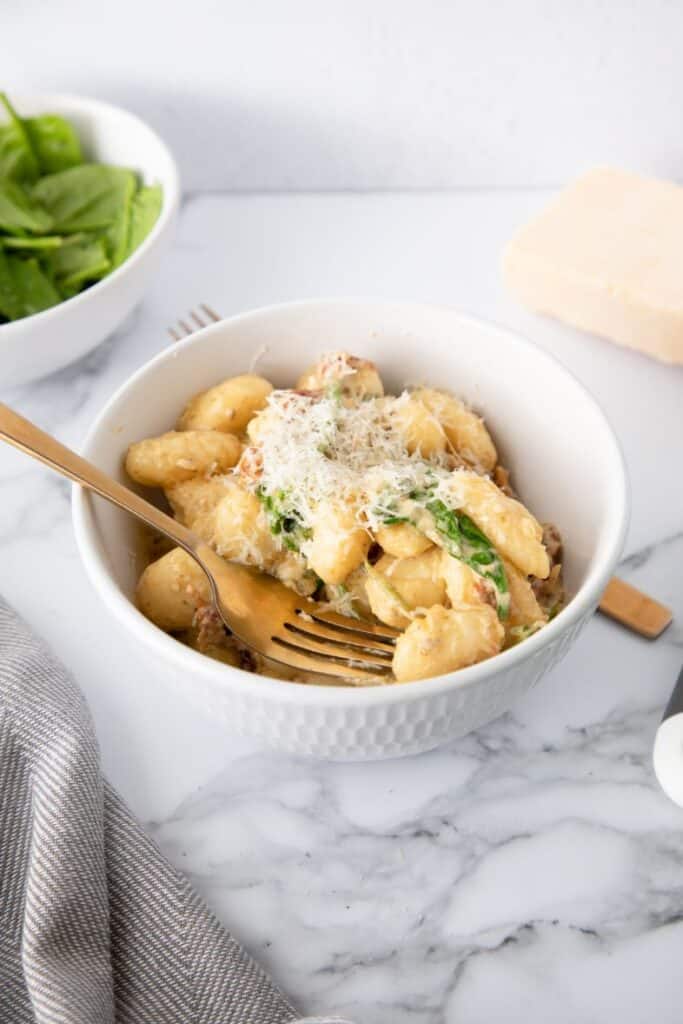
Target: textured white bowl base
(363,733)
(379,731)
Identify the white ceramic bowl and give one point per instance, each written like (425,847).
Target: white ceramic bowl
(563,455)
(39,344)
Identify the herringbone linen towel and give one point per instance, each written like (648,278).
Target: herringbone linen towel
(95,925)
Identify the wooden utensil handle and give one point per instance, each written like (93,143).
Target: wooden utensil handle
(634,609)
(30,439)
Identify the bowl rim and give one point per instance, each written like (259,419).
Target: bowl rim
(281,691)
(169,206)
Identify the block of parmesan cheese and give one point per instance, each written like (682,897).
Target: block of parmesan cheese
(607,256)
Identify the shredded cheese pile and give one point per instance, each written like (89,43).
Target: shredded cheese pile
(320,447)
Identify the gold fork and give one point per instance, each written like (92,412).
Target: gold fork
(200,318)
(259,610)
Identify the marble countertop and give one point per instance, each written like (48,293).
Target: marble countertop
(532,871)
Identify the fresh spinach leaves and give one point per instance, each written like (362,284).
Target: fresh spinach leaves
(64,222)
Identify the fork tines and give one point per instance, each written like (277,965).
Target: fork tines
(183,329)
(336,644)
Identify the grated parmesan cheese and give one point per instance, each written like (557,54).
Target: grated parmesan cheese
(340,600)
(319,448)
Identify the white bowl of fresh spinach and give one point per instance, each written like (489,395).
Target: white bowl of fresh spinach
(88,198)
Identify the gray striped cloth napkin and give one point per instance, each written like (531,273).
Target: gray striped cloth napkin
(95,925)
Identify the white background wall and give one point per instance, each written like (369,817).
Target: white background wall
(381,94)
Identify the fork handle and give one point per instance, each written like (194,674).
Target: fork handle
(35,442)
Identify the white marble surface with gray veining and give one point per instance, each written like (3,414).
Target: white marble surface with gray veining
(532,871)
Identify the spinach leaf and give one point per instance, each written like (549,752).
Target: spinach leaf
(117,235)
(464,540)
(17,159)
(22,242)
(12,154)
(144,214)
(19,213)
(284,520)
(24,288)
(85,198)
(54,143)
(83,260)
(455,532)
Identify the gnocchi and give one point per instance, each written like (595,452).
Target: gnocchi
(402,540)
(390,507)
(525,611)
(194,504)
(465,430)
(171,590)
(463,584)
(228,406)
(338,544)
(418,581)
(355,377)
(423,433)
(445,639)
(508,524)
(181,455)
(241,532)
